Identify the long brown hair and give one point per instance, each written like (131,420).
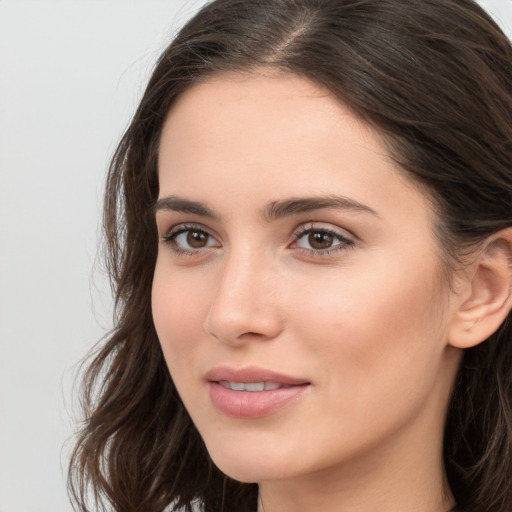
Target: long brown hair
(434,77)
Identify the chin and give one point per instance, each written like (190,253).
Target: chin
(249,466)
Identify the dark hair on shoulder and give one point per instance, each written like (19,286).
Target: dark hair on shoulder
(434,77)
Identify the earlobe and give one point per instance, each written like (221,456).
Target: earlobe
(488,300)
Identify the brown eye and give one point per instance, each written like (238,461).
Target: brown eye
(197,239)
(191,239)
(320,240)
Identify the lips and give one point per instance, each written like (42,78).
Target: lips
(252,392)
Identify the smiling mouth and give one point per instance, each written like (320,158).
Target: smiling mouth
(252,386)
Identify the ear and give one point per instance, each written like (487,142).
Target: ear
(486,297)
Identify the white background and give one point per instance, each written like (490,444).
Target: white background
(71,72)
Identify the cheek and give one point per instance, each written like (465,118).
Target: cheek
(372,323)
(376,345)
(179,305)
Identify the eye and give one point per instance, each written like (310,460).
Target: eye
(321,240)
(317,240)
(190,239)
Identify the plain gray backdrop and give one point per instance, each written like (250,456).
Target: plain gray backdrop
(71,73)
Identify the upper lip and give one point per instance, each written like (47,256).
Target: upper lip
(251,374)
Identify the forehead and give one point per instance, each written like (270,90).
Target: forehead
(238,110)
(265,137)
(277,126)
(259,119)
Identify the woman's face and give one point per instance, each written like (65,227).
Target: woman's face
(298,292)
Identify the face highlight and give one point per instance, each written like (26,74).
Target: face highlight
(297,293)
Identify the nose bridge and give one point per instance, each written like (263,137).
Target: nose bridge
(244,304)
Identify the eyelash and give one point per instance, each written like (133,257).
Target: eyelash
(173,234)
(344,242)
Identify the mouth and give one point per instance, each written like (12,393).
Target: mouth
(252,392)
(252,386)
(252,375)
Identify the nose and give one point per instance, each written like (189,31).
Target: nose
(244,306)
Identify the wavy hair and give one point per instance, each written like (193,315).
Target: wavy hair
(434,77)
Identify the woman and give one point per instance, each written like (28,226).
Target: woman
(309,231)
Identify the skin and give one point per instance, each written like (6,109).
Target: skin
(364,321)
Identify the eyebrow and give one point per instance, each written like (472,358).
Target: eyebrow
(293,206)
(182,205)
(274,210)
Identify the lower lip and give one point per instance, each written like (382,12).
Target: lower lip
(252,404)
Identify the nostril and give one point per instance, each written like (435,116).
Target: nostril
(236,316)
(254,335)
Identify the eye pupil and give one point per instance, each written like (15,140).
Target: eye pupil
(320,240)
(197,239)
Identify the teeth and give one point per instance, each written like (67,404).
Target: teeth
(254,386)
(250,386)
